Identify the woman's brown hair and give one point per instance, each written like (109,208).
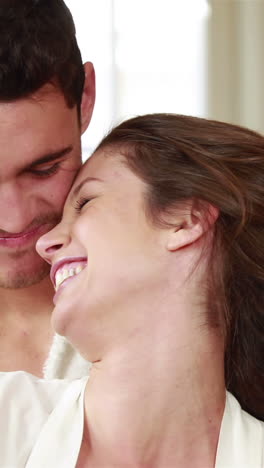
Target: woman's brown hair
(183,158)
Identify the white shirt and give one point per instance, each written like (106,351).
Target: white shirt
(41,426)
(64,362)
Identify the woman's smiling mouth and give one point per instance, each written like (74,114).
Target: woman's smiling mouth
(65,269)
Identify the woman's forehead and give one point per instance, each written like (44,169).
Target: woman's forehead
(105,164)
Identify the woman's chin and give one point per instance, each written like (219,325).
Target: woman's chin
(65,307)
(62,316)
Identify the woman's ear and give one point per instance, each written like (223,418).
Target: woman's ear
(88,96)
(191,225)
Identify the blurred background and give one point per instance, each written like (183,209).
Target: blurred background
(195,57)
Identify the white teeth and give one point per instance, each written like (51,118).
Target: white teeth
(59,278)
(65,273)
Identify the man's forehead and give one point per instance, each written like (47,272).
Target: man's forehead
(47,96)
(48,91)
(36,127)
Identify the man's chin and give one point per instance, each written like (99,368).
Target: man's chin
(24,278)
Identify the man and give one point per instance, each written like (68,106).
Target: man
(46,102)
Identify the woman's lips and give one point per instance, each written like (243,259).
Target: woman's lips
(65,263)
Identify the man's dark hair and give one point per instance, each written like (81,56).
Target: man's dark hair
(38,45)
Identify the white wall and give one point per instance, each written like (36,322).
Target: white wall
(149,56)
(236,62)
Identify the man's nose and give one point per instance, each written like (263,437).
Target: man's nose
(50,243)
(15,209)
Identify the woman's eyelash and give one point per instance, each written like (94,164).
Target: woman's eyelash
(80,203)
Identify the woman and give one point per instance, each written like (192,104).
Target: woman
(158,266)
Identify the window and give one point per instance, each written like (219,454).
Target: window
(149,56)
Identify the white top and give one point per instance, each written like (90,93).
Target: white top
(41,426)
(64,362)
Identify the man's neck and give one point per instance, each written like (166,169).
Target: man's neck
(25,328)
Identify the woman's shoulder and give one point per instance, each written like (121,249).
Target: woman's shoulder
(241,440)
(26,403)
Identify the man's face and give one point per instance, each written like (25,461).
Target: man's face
(40,152)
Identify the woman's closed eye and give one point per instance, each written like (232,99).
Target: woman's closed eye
(80,203)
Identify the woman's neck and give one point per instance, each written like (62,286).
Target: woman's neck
(157,403)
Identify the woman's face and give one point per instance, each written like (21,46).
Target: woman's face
(106,256)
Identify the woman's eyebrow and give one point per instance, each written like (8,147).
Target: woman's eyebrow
(84,181)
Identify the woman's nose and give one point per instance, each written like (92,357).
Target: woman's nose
(49,244)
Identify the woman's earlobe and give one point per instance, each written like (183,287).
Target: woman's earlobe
(193,226)
(183,236)
(88,96)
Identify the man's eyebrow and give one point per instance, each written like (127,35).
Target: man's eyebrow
(51,156)
(84,181)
